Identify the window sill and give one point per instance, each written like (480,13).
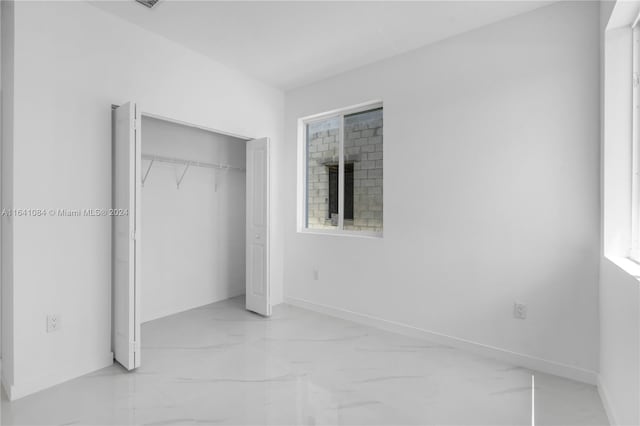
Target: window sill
(343,233)
(627,265)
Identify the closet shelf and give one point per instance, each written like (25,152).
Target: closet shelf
(173,160)
(186,163)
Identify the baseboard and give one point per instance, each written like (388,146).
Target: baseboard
(15,392)
(198,304)
(523,360)
(606,402)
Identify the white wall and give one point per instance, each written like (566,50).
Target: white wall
(619,379)
(6,246)
(620,344)
(193,238)
(0,190)
(68,72)
(491,157)
(616,153)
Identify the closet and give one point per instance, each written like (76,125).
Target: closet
(196,228)
(193,217)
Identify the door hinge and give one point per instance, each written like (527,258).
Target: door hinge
(135,124)
(134,346)
(636,79)
(133,235)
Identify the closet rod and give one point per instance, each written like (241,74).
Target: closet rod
(172,160)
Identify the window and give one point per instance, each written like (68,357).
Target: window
(342,171)
(348,192)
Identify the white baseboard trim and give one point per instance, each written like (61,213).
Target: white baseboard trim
(606,402)
(198,304)
(15,392)
(519,359)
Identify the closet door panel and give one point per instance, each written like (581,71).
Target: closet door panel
(126,244)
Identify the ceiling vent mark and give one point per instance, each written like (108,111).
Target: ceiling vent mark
(148,3)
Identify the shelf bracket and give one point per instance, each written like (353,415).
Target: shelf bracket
(146,173)
(182,177)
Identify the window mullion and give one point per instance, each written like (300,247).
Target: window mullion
(305,156)
(341,175)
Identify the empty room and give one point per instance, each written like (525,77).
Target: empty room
(320,212)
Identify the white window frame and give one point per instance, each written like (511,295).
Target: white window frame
(302,171)
(634,252)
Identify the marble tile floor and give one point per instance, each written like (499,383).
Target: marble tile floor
(220,364)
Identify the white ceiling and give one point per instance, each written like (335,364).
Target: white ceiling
(291,44)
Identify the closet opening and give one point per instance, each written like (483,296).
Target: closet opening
(195,236)
(193,218)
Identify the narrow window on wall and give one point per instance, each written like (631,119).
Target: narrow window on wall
(343,170)
(333,192)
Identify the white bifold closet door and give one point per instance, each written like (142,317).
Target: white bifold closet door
(126,238)
(257,273)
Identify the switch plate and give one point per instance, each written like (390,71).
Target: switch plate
(316,275)
(519,310)
(53,323)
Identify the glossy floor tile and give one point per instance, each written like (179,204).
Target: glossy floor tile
(222,365)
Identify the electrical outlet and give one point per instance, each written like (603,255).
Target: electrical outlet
(316,275)
(519,310)
(53,323)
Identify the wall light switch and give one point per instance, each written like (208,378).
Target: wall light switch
(53,323)
(316,275)
(519,310)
